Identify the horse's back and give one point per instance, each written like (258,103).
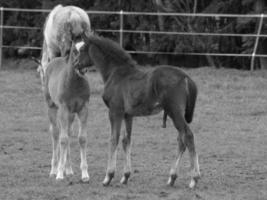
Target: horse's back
(60,23)
(168,70)
(165,76)
(60,15)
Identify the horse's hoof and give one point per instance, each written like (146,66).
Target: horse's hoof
(172,179)
(108,179)
(125,178)
(85,176)
(69,172)
(59,176)
(85,179)
(52,175)
(193,182)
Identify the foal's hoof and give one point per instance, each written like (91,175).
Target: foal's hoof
(193,182)
(172,179)
(85,176)
(108,179)
(69,172)
(52,175)
(125,178)
(85,179)
(60,176)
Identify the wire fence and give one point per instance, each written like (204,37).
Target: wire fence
(121,31)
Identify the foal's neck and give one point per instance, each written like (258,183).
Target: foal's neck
(70,71)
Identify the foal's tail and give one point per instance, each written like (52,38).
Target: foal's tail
(191,89)
(191,100)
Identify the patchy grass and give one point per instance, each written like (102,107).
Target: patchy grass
(230,131)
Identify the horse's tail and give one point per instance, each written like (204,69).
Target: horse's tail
(191,100)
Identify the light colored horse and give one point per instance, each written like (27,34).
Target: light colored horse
(67,94)
(62,25)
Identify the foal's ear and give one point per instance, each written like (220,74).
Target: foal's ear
(85,37)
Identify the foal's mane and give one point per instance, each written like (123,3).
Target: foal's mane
(112,51)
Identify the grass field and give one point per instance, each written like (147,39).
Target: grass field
(230,127)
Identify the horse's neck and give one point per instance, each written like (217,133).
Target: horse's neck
(110,71)
(106,65)
(106,72)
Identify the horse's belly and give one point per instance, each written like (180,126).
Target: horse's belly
(144,110)
(75,105)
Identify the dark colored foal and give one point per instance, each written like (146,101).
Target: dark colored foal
(130,91)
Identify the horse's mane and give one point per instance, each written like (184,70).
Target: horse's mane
(112,51)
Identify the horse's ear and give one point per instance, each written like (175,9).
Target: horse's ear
(85,36)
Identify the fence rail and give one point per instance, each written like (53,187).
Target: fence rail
(121,31)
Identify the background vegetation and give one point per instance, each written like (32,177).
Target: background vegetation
(152,42)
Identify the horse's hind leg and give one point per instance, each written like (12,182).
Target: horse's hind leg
(65,120)
(185,139)
(115,121)
(83,114)
(52,114)
(126,145)
(195,173)
(68,168)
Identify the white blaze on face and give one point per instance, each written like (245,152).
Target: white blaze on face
(78,45)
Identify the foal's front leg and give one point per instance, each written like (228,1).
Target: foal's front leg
(126,145)
(65,120)
(83,115)
(52,115)
(115,121)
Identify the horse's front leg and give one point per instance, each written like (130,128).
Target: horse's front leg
(126,145)
(83,115)
(115,122)
(65,120)
(52,115)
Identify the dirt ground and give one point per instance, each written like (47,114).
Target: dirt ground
(230,127)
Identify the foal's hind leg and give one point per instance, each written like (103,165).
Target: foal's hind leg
(175,167)
(52,114)
(115,121)
(83,114)
(126,145)
(68,168)
(195,173)
(185,139)
(65,120)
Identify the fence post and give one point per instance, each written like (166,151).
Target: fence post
(252,63)
(1,34)
(121,28)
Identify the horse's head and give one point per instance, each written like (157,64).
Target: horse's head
(78,57)
(83,58)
